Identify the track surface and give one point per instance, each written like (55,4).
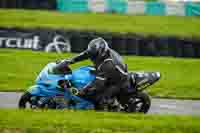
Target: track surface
(159,106)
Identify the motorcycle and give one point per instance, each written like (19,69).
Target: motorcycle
(61,91)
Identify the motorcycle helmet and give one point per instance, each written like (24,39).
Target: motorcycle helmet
(98,47)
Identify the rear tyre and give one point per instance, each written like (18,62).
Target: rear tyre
(139,103)
(25,98)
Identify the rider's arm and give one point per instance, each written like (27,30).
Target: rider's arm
(61,67)
(82,56)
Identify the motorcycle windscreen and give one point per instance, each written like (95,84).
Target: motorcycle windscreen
(47,78)
(44,74)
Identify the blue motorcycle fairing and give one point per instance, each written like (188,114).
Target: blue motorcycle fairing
(35,90)
(82,76)
(50,79)
(47,85)
(41,90)
(43,75)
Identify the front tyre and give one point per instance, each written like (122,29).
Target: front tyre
(139,103)
(25,98)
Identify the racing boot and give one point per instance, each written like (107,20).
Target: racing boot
(114,105)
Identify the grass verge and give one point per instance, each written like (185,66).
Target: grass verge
(157,25)
(27,121)
(180,77)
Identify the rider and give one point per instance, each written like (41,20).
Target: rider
(111,72)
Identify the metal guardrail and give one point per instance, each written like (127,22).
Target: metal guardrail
(76,41)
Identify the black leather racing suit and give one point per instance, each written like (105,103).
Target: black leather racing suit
(111,76)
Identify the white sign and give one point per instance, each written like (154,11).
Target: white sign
(12,42)
(59,46)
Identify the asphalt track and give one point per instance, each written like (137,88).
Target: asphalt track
(158,106)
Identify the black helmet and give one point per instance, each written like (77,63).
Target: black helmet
(98,47)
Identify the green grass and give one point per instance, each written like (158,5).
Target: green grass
(157,25)
(20,121)
(180,77)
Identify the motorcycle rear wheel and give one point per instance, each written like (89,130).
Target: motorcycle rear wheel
(139,103)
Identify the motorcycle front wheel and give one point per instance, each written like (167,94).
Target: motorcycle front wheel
(29,101)
(25,100)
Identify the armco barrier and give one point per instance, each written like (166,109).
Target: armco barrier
(76,41)
(174,48)
(3,4)
(79,41)
(195,44)
(28,4)
(187,48)
(150,46)
(9,4)
(132,44)
(119,43)
(161,46)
